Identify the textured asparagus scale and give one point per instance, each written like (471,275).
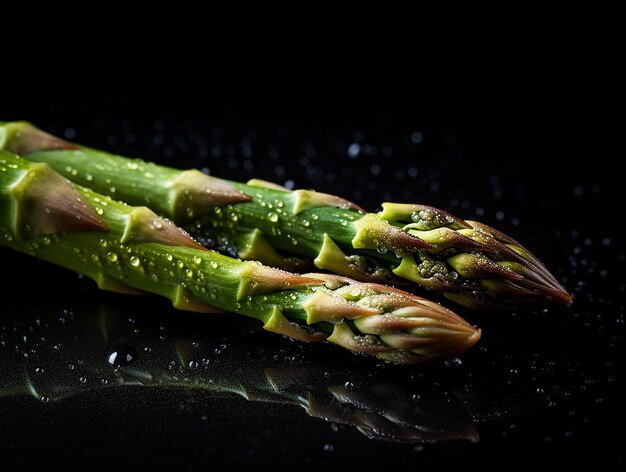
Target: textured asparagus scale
(470,263)
(131,249)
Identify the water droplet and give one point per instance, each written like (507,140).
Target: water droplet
(273,217)
(329,448)
(45,399)
(39,370)
(197,259)
(103,243)
(193,365)
(89,177)
(214,265)
(82,380)
(121,355)
(134,261)
(112,256)
(189,274)
(169,257)
(45,240)
(454,362)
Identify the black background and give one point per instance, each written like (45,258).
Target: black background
(541,387)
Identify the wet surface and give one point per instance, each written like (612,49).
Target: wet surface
(100,379)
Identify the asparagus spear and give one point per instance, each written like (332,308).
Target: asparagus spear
(131,249)
(469,262)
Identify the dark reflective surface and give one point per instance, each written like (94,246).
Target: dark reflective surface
(95,379)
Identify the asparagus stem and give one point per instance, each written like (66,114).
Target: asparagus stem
(470,263)
(130,249)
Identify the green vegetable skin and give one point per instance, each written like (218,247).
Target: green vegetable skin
(470,263)
(131,249)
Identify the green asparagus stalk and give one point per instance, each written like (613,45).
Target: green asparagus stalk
(131,249)
(469,262)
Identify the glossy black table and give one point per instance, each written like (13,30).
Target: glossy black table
(95,380)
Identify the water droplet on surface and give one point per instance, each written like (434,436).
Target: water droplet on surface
(82,380)
(193,365)
(45,399)
(112,256)
(454,362)
(273,217)
(121,355)
(134,261)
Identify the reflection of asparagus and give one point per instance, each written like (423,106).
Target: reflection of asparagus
(469,262)
(188,359)
(128,248)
